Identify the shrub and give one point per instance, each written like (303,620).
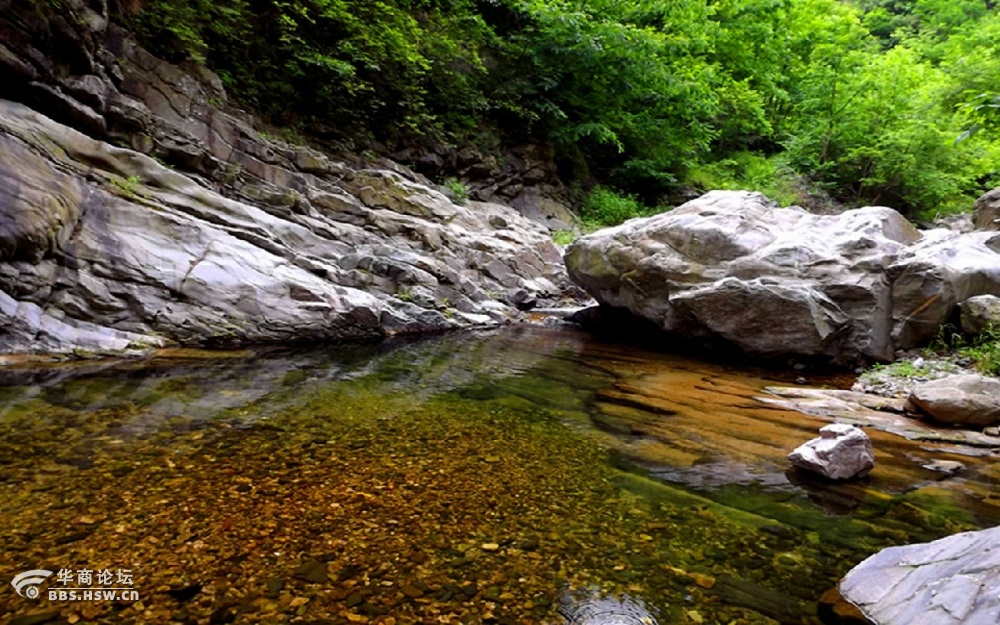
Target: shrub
(604,207)
(985,350)
(563,237)
(751,172)
(456,190)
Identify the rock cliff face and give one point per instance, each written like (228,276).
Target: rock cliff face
(138,209)
(734,266)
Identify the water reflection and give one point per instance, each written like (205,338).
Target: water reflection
(466,478)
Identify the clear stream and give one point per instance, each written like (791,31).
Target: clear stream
(470,478)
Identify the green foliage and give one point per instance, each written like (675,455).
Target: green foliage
(983,349)
(624,83)
(563,237)
(390,66)
(874,127)
(187,29)
(456,190)
(984,110)
(752,172)
(864,99)
(901,369)
(604,207)
(126,187)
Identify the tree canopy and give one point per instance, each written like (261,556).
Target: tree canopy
(869,101)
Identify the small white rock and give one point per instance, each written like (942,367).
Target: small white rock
(841,452)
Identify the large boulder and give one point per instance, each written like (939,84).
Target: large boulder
(967,399)
(979,313)
(952,581)
(841,452)
(733,265)
(932,276)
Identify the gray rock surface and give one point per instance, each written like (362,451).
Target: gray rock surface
(732,265)
(968,399)
(986,213)
(952,581)
(979,312)
(103,247)
(934,275)
(899,378)
(882,413)
(841,452)
(139,208)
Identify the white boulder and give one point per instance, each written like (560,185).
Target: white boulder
(841,452)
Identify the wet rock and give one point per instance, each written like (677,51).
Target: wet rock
(158,257)
(354,599)
(523,300)
(222,615)
(899,378)
(185,593)
(862,409)
(274,586)
(492,593)
(835,610)
(951,581)
(841,452)
(979,312)
(528,544)
(933,275)
(968,399)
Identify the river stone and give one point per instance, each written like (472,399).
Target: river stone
(967,399)
(980,312)
(734,266)
(312,571)
(951,581)
(841,452)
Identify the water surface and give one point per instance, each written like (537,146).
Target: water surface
(471,478)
